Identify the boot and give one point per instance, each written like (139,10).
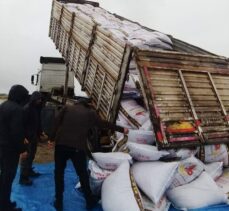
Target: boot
(92,202)
(25,181)
(12,207)
(16,209)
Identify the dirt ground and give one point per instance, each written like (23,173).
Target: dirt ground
(44,154)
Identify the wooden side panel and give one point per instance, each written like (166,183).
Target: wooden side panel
(186,89)
(105,74)
(72,34)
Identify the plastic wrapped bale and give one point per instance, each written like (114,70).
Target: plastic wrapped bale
(201,192)
(153,178)
(97,176)
(216,153)
(144,152)
(119,191)
(111,160)
(188,170)
(141,136)
(215,170)
(223,181)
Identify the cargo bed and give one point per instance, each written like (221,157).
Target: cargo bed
(183,86)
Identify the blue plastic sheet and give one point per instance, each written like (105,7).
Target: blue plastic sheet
(40,196)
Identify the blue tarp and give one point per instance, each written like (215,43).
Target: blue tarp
(40,196)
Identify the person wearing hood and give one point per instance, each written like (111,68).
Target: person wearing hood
(33,131)
(12,135)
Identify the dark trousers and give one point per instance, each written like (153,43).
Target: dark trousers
(79,160)
(8,167)
(26,163)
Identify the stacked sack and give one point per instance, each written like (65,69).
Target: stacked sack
(127,183)
(138,178)
(132,33)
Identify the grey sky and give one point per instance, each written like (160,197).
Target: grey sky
(24,29)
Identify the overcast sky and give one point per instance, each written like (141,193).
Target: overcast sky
(24,29)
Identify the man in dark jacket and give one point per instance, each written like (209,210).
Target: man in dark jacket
(70,135)
(32,111)
(12,137)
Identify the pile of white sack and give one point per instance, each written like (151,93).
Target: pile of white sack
(124,30)
(134,177)
(138,181)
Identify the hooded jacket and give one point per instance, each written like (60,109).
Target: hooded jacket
(12,131)
(33,117)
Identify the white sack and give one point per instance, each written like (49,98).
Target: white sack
(147,126)
(153,178)
(216,153)
(95,185)
(201,192)
(111,160)
(117,192)
(144,152)
(188,170)
(135,111)
(162,205)
(223,181)
(186,153)
(96,172)
(122,121)
(215,170)
(97,176)
(141,136)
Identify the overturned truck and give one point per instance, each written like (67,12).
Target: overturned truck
(171,95)
(183,89)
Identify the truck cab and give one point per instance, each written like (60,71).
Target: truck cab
(50,79)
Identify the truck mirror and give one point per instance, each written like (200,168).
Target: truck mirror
(32,79)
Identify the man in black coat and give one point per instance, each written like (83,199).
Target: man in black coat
(32,111)
(70,134)
(12,135)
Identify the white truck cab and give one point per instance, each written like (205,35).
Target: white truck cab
(52,75)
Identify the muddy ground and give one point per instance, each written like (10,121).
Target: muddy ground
(44,153)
